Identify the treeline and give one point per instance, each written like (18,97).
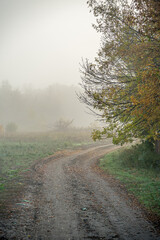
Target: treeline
(40,110)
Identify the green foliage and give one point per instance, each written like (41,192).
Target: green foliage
(123,84)
(141,156)
(131,167)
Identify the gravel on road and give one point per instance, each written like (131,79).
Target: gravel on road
(66,198)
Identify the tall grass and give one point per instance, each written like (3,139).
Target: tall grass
(138,167)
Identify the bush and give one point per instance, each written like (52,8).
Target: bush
(11,127)
(62,124)
(140,156)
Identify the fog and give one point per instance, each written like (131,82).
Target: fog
(42,41)
(41,47)
(43,109)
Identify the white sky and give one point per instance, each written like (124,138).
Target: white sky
(43,41)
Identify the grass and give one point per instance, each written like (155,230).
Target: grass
(143,182)
(19,152)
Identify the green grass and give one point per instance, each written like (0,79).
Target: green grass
(144,183)
(18,153)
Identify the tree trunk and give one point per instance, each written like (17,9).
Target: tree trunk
(157,146)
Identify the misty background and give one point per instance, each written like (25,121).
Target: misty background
(41,110)
(43,41)
(41,46)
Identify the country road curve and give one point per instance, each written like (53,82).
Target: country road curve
(69,199)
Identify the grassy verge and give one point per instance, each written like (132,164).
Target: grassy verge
(143,182)
(18,153)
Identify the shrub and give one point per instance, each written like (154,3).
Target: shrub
(11,127)
(140,156)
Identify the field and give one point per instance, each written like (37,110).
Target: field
(19,152)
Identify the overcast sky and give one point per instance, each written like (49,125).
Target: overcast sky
(43,41)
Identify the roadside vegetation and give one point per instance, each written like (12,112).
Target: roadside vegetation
(137,167)
(18,152)
(122,86)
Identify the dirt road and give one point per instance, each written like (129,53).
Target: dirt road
(69,199)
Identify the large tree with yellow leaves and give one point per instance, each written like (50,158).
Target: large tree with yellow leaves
(123,83)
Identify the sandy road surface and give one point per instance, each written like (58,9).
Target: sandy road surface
(69,200)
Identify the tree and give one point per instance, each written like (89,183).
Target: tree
(124,81)
(11,127)
(63,124)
